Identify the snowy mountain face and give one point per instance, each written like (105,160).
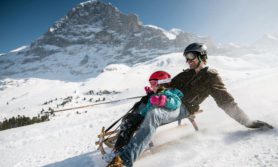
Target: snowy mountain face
(91,36)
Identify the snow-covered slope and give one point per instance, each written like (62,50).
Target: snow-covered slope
(67,140)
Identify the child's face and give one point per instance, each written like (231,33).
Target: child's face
(154,85)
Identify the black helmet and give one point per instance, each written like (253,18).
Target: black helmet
(197,47)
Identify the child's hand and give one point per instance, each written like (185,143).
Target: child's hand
(159,101)
(148,90)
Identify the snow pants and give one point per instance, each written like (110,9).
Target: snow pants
(130,123)
(142,137)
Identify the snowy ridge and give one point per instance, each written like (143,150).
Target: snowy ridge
(19,49)
(268,42)
(168,34)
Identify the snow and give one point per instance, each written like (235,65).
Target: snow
(19,49)
(176,31)
(87,2)
(67,140)
(271,37)
(51,29)
(169,34)
(51,47)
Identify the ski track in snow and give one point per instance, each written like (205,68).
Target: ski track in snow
(68,139)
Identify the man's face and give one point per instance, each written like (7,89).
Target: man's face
(192,60)
(193,63)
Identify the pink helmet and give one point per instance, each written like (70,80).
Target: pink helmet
(161,77)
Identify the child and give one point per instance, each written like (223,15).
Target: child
(159,95)
(162,96)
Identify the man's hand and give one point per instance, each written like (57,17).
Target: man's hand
(259,124)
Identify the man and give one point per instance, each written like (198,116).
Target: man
(196,83)
(199,81)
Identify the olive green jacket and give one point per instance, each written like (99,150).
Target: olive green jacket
(197,87)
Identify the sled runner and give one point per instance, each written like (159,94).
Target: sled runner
(108,137)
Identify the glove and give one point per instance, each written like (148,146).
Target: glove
(259,124)
(148,90)
(159,101)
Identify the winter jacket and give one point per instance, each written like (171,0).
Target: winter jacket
(173,100)
(197,87)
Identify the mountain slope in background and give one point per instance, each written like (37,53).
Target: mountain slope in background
(91,36)
(95,34)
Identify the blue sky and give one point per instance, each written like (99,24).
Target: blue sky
(239,21)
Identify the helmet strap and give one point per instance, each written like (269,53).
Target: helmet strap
(199,60)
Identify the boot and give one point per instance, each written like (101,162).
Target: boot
(116,162)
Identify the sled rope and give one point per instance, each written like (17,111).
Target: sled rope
(91,105)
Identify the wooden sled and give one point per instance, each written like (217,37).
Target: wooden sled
(108,138)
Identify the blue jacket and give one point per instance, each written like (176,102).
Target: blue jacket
(173,100)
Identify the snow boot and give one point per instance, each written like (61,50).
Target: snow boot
(116,162)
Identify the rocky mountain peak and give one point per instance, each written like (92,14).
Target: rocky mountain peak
(99,14)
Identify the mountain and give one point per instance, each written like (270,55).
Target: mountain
(268,42)
(91,36)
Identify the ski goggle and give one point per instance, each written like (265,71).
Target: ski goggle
(190,56)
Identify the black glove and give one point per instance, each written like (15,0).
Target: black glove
(259,124)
